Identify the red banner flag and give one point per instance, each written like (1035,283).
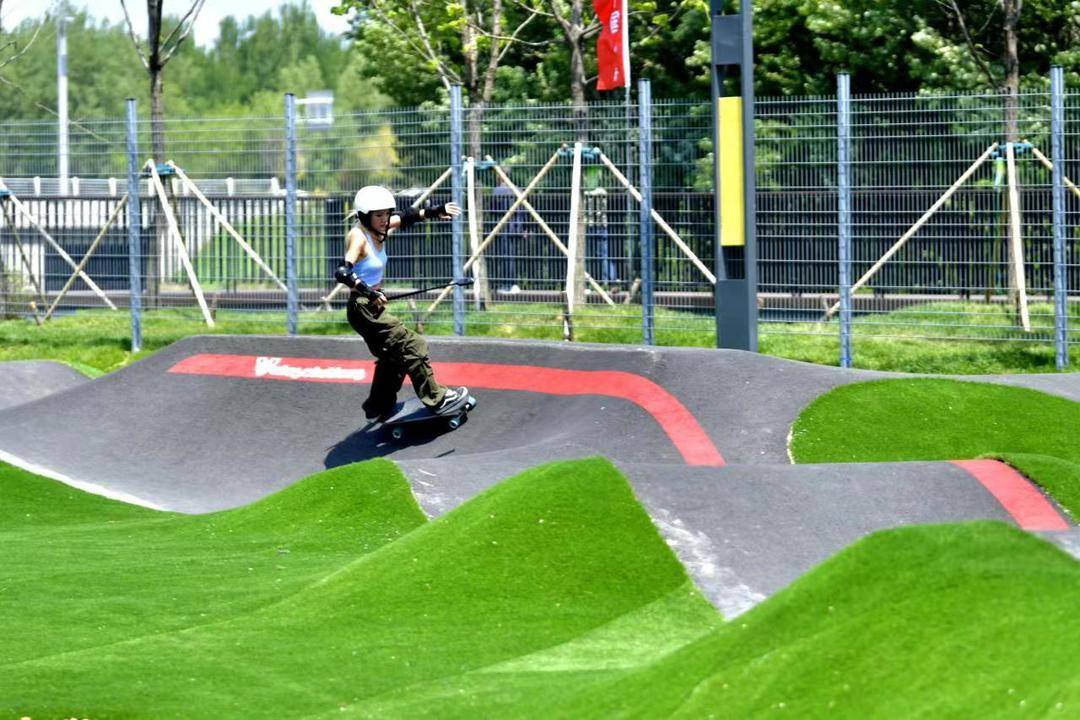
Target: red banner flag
(613,45)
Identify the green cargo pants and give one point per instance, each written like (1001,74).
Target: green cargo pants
(398,352)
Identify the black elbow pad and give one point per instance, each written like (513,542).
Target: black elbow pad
(345,275)
(408,217)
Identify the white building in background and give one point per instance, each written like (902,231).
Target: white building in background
(317,109)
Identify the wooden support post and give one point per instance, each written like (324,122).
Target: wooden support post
(573,243)
(916,227)
(59,250)
(1050,166)
(86,258)
(433,187)
(546,229)
(194,190)
(26,264)
(1016,243)
(481,292)
(498,226)
(660,221)
(174,231)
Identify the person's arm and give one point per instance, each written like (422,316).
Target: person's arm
(407,217)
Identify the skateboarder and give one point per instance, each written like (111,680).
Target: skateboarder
(398,350)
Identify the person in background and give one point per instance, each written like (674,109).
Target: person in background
(597,246)
(512,238)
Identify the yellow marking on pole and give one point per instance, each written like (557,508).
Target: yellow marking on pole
(730,193)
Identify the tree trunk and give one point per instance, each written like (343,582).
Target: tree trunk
(1011,63)
(154,264)
(575,31)
(577,72)
(475,121)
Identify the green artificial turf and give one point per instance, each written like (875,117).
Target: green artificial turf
(81,571)
(550,594)
(325,595)
(972,620)
(934,419)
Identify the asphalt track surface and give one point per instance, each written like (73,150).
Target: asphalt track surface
(23,381)
(216,422)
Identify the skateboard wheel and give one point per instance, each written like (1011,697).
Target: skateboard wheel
(397,433)
(454,422)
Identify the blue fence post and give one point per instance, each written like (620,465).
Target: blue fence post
(134,224)
(292,300)
(843,127)
(1057,157)
(457,231)
(648,261)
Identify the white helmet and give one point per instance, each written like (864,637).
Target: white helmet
(373,197)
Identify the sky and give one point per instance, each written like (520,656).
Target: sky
(12,12)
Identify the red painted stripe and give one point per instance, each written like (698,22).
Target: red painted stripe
(677,422)
(1022,500)
(277,368)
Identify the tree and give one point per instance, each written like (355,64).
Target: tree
(10,50)
(17,45)
(576,28)
(155,56)
(911,45)
(159,49)
(457,43)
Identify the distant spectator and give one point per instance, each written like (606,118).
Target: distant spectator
(511,241)
(596,236)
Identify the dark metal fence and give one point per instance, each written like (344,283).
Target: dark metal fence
(952,278)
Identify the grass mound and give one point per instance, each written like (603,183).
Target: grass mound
(549,594)
(540,561)
(932,419)
(971,620)
(81,571)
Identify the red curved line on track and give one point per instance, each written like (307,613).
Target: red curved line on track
(1028,506)
(677,422)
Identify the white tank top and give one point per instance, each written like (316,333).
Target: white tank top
(370,268)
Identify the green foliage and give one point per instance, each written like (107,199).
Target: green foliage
(800,46)
(898,46)
(287,52)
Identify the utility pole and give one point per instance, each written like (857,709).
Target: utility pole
(62,102)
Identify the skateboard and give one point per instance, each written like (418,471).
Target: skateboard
(412,411)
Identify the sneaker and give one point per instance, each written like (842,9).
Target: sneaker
(453,397)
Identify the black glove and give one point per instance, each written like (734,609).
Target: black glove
(434,211)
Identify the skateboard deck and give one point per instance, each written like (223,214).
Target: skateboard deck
(413,411)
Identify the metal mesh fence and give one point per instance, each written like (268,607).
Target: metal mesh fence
(950,278)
